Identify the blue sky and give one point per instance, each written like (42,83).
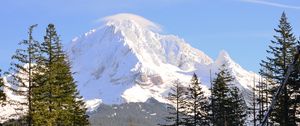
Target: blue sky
(243,28)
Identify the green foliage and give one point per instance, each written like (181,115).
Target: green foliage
(227,105)
(2,95)
(41,74)
(274,68)
(197,106)
(57,101)
(21,72)
(191,106)
(237,114)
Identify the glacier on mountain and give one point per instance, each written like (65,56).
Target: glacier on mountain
(127,59)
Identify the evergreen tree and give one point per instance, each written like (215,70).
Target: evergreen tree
(79,111)
(227,105)
(260,101)
(176,115)
(57,101)
(2,95)
(263,98)
(197,106)
(254,108)
(238,107)
(212,101)
(220,97)
(275,67)
(21,71)
(294,102)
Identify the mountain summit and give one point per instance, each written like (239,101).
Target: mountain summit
(128,60)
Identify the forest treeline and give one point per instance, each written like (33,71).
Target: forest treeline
(227,107)
(40,72)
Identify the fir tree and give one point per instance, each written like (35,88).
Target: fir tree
(228,105)
(197,106)
(176,115)
(57,100)
(263,98)
(79,111)
(21,71)
(2,95)
(275,67)
(46,94)
(220,97)
(238,107)
(260,101)
(253,109)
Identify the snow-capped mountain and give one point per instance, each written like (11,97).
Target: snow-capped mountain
(128,60)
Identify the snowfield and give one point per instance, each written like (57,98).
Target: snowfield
(128,60)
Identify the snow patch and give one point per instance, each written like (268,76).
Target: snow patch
(93,104)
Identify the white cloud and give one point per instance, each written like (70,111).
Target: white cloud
(274,4)
(125,17)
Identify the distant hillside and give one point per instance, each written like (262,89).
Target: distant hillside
(149,113)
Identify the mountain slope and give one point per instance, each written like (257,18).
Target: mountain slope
(149,113)
(128,60)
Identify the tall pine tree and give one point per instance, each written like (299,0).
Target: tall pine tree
(263,99)
(176,96)
(197,106)
(238,107)
(227,105)
(22,70)
(281,54)
(57,101)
